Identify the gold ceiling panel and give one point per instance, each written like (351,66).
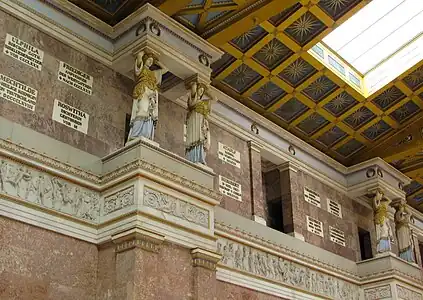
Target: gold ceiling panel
(269,69)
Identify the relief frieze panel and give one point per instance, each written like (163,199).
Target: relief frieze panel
(379,292)
(271,267)
(176,207)
(407,294)
(31,185)
(118,200)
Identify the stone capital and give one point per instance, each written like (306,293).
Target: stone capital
(137,238)
(205,258)
(288,165)
(197,78)
(253,145)
(146,47)
(398,202)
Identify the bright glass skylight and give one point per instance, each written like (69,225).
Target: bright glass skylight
(380,30)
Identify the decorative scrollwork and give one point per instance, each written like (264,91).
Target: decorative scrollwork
(176,207)
(204,60)
(155,29)
(254,128)
(370,173)
(119,200)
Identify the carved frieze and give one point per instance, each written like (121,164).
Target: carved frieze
(407,294)
(272,267)
(176,207)
(49,191)
(379,292)
(118,200)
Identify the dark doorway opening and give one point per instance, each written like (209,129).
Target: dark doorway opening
(365,244)
(275,214)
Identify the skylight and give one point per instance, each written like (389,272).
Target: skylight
(376,32)
(381,41)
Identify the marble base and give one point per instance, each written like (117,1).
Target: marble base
(297,236)
(144,140)
(260,220)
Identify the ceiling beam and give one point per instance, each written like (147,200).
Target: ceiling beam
(171,7)
(253,18)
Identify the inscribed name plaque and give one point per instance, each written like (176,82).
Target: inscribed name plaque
(23,52)
(17,92)
(230,188)
(70,116)
(75,78)
(229,155)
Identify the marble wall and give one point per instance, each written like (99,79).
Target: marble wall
(36,264)
(107,106)
(354,215)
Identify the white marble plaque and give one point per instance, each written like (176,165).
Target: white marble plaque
(23,52)
(230,188)
(75,78)
(17,92)
(229,155)
(70,116)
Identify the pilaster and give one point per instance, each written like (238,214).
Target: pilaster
(289,193)
(416,247)
(257,198)
(136,260)
(205,283)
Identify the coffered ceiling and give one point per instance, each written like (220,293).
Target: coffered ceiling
(268,67)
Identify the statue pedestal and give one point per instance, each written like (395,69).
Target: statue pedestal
(144,140)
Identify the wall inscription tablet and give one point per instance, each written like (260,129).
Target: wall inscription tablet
(23,52)
(229,155)
(75,78)
(17,92)
(230,188)
(70,116)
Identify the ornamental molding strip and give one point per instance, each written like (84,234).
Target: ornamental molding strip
(28,156)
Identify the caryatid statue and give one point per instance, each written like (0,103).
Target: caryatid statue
(197,124)
(384,234)
(145,109)
(404,236)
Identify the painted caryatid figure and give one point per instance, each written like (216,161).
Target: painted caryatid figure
(197,124)
(384,234)
(402,225)
(145,109)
